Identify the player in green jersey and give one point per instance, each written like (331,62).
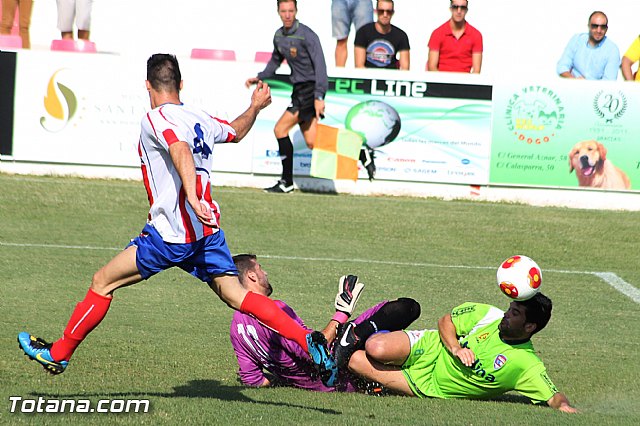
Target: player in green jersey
(478,351)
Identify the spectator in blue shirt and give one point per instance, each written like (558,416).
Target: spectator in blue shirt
(591,55)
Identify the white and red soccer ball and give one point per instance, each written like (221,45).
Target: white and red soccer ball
(519,277)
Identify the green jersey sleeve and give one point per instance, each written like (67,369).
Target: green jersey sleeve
(536,385)
(470,316)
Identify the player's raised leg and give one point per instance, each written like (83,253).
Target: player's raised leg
(382,359)
(120,271)
(392,316)
(229,289)
(390,376)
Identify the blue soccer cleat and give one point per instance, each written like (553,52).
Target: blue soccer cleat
(324,363)
(39,350)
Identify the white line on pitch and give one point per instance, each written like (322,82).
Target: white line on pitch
(619,284)
(57,246)
(610,278)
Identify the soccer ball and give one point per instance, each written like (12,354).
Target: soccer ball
(519,277)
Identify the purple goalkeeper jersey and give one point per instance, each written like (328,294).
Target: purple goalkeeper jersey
(260,349)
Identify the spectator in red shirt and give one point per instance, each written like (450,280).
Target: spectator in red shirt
(456,45)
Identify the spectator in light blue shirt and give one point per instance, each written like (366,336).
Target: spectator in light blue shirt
(591,55)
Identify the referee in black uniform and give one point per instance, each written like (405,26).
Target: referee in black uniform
(300,46)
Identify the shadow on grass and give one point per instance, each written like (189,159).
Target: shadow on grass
(193,389)
(320,186)
(513,398)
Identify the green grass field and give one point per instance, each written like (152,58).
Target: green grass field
(166,339)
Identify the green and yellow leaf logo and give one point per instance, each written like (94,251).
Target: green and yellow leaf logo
(60,104)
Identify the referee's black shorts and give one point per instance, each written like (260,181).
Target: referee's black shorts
(302,101)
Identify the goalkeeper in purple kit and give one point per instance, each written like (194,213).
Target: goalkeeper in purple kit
(267,359)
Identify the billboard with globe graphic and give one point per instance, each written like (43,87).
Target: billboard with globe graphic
(408,124)
(376,121)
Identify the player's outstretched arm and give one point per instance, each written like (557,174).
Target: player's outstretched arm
(349,291)
(560,402)
(260,99)
(449,338)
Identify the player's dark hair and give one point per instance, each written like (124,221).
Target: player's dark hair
(295,3)
(537,310)
(163,72)
(244,262)
(597,12)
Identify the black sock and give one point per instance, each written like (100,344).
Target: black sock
(364,157)
(286,156)
(393,316)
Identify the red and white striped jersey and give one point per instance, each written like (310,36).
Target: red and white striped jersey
(170,213)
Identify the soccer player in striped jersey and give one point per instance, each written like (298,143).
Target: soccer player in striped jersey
(183,227)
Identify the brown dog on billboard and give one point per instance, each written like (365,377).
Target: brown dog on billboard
(589,160)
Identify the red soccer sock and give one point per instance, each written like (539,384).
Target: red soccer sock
(86,316)
(268,313)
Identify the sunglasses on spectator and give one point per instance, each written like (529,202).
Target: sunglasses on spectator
(595,26)
(385,11)
(462,8)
